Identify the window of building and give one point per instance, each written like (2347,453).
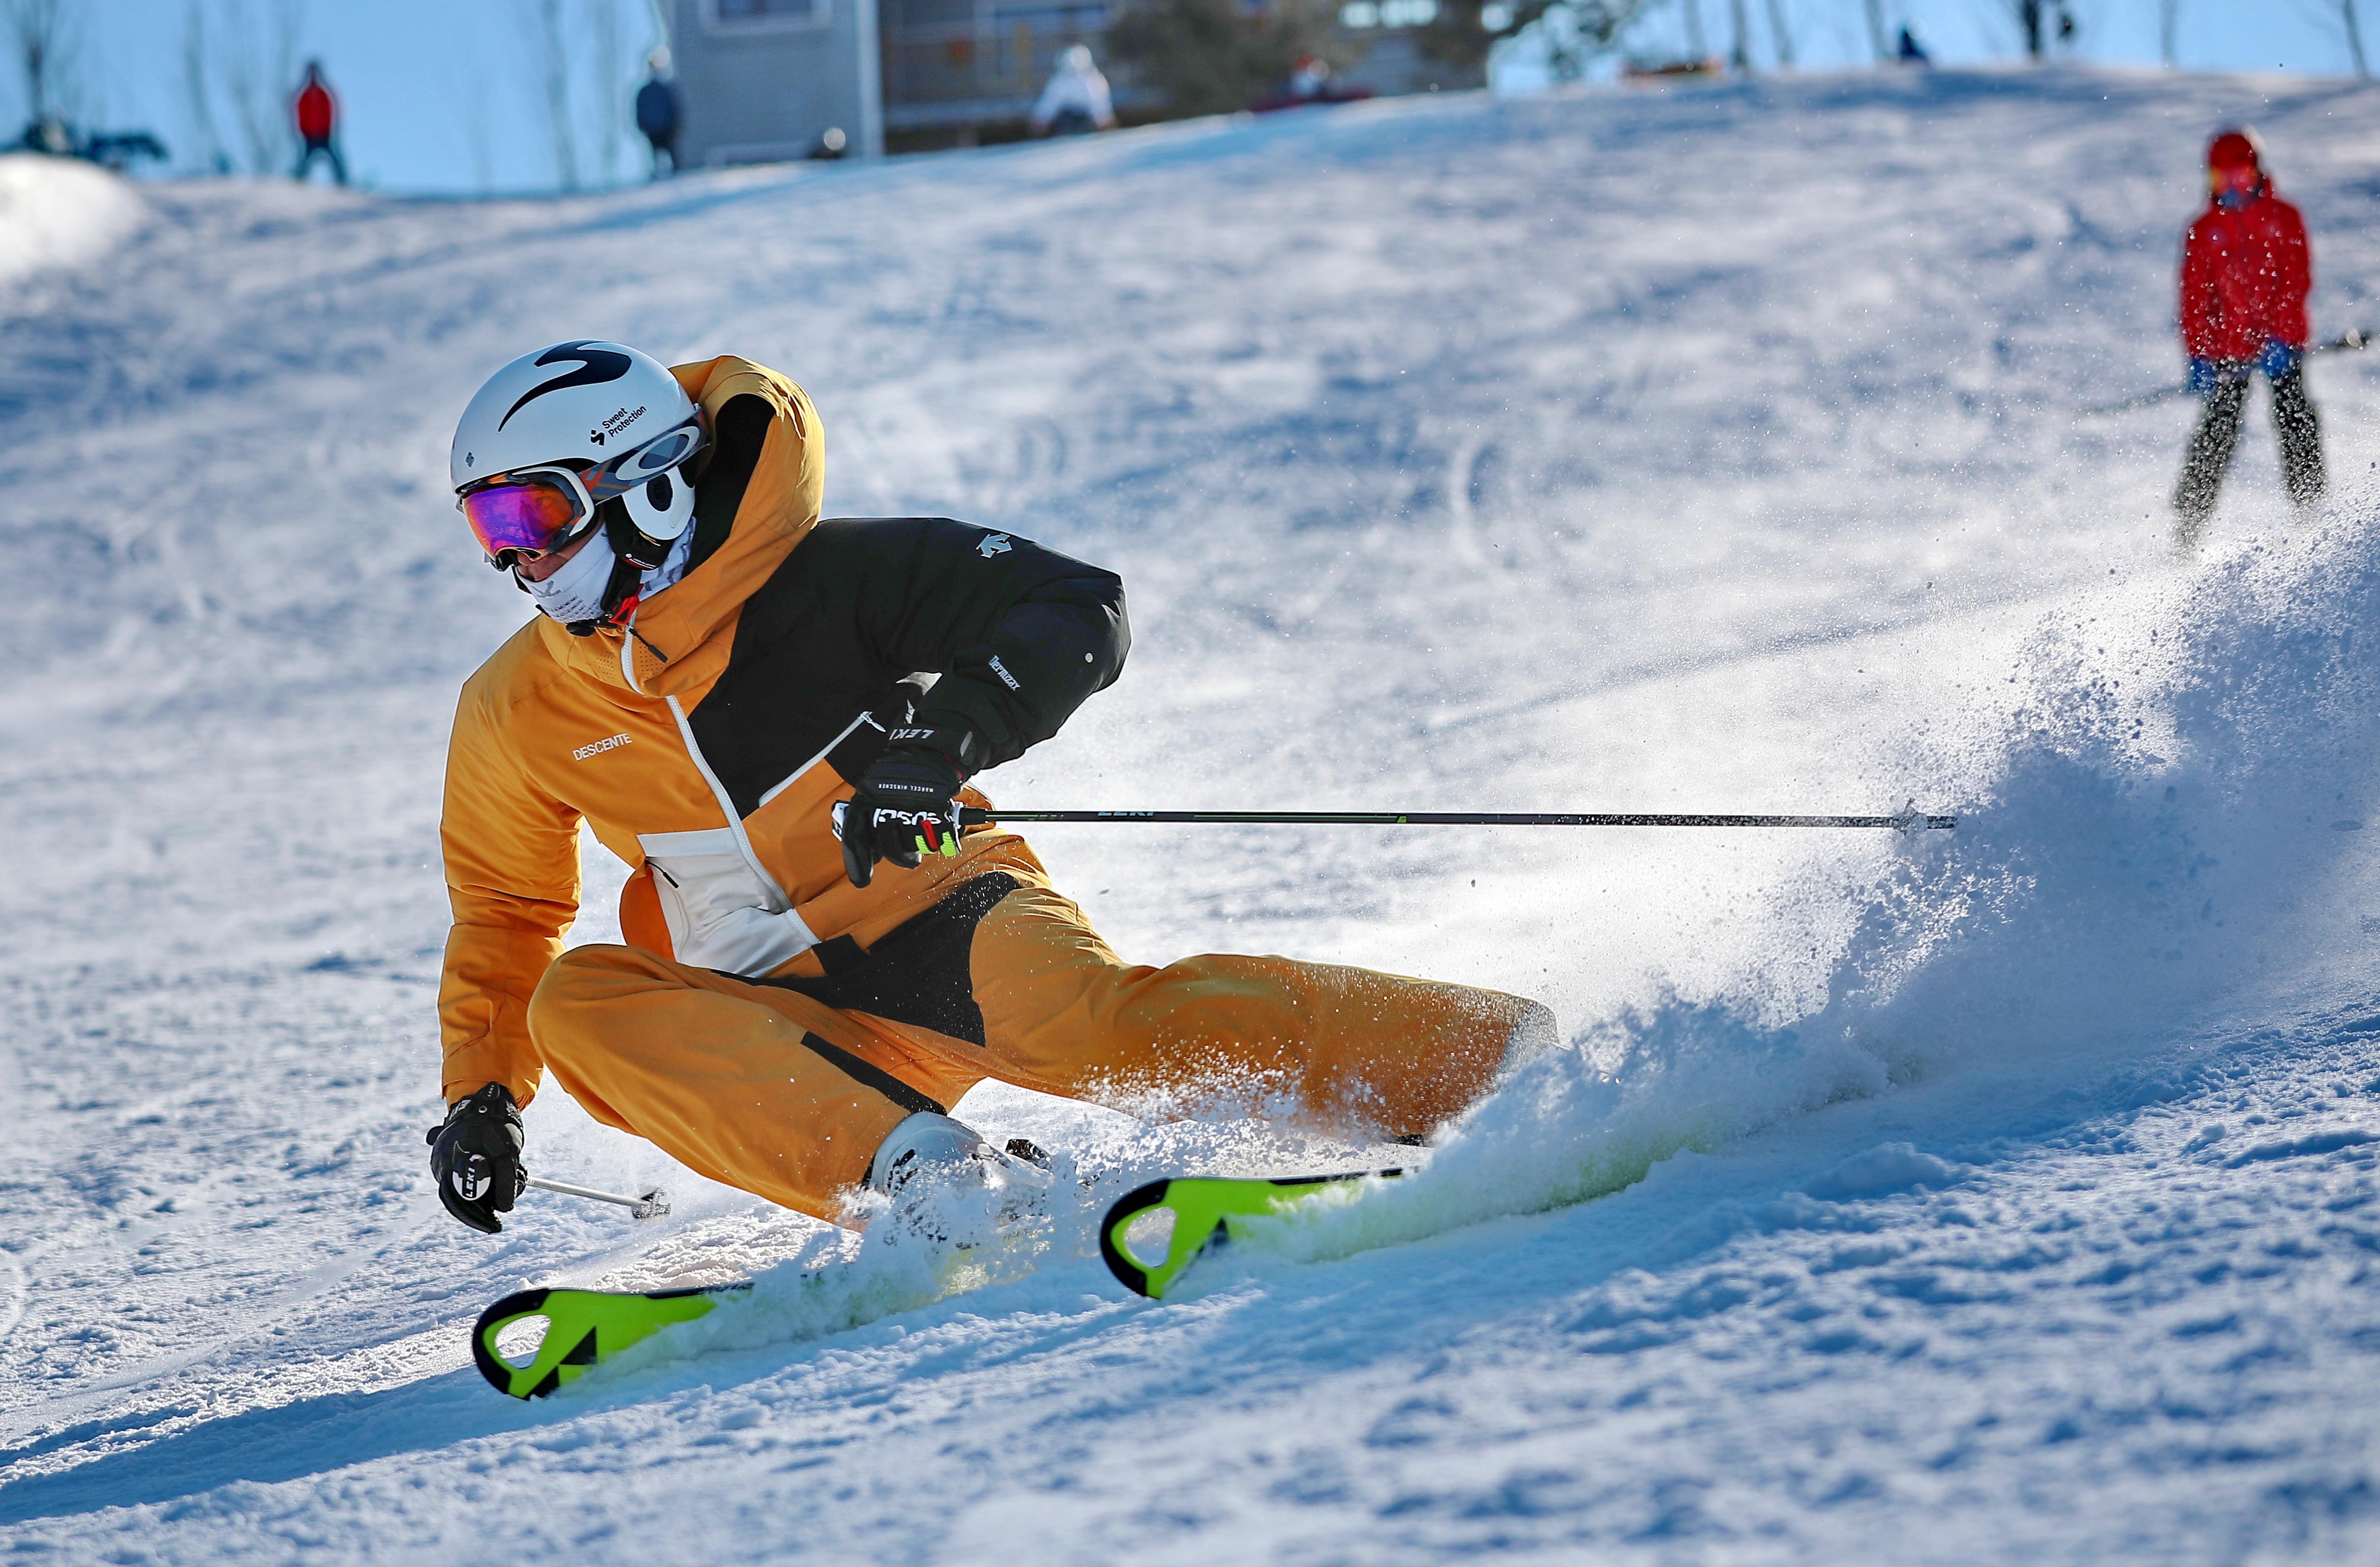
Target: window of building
(758,15)
(1360,13)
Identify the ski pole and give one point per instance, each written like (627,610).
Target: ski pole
(652,1204)
(2145,400)
(2356,338)
(1910,819)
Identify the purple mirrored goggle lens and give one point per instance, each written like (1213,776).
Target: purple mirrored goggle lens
(531,517)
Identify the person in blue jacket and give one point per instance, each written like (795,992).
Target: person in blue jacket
(657,115)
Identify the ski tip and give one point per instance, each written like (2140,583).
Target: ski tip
(581,1327)
(1202,1208)
(519,1381)
(1113,1250)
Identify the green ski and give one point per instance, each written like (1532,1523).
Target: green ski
(582,1327)
(1206,1210)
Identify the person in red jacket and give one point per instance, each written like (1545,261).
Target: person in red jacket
(318,119)
(2246,270)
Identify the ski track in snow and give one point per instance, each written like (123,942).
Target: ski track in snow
(2002,1195)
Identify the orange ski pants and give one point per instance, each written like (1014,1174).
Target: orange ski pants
(769,1089)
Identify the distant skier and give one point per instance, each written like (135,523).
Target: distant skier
(2246,270)
(318,124)
(754,707)
(1912,51)
(657,113)
(1077,100)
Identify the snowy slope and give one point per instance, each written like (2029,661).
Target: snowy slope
(2001,1198)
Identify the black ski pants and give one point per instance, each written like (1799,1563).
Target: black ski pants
(321,150)
(2218,435)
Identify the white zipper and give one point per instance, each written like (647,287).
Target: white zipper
(781,784)
(727,804)
(628,662)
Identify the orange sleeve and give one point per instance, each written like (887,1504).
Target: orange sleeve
(512,877)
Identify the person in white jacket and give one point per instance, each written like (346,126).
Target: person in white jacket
(1076,99)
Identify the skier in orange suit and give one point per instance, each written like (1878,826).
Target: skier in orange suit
(774,719)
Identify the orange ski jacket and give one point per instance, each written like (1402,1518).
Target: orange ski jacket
(708,743)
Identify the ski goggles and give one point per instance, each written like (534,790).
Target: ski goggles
(519,515)
(2239,180)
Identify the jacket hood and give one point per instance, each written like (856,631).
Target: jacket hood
(2236,148)
(680,640)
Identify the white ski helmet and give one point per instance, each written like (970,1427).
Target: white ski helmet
(589,418)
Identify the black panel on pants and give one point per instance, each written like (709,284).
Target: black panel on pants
(919,974)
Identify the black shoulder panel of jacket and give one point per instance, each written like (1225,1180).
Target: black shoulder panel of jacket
(1019,636)
(737,436)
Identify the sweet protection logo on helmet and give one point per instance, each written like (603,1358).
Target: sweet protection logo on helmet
(596,366)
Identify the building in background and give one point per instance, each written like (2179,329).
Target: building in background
(1393,63)
(760,80)
(960,71)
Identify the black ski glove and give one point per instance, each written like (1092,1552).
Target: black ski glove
(476,1157)
(904,805)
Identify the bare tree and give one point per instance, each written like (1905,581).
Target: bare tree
(2168,29)
(42,38)
(1739,54)
(1779,34)
(603,35)
(1573,32)
(2344,15)
(257,70)
(467,97)
(2036,21)
(618,67)
(1697,45)
(586,76)
(1875,30)
(550,44)
(197,94)
(2040,23)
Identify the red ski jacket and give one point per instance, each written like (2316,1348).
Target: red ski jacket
(314,113)
(2245,274)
